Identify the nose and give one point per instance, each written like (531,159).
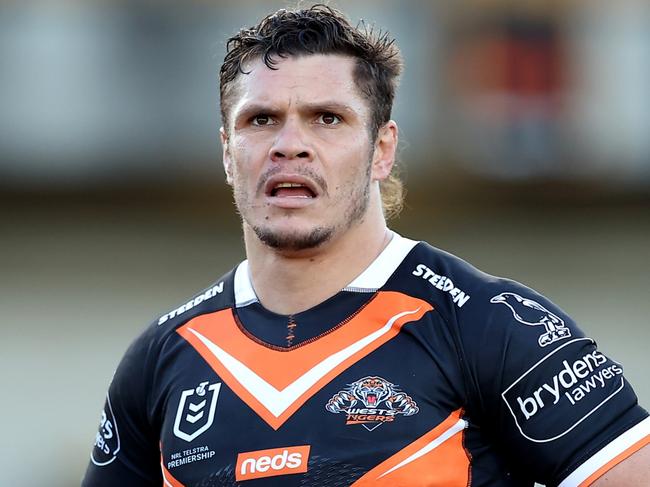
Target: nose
(291,143)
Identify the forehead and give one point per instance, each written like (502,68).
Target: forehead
(306,78)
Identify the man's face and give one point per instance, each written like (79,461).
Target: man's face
(297,151)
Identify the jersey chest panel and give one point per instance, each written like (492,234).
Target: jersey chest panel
(443,371)
(362,410)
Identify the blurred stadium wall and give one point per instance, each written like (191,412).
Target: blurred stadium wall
(525,135)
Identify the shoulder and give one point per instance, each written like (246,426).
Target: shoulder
(456,288)
(482,308)
(217,296)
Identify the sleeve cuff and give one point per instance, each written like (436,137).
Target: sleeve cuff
(610,455)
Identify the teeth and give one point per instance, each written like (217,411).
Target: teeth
(288,185)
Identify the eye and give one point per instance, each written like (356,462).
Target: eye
(261,120)
(329,119)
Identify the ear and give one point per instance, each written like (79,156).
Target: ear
(385,150)
(227,161)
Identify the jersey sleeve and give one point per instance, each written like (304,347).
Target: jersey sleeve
(126,451)
(549,398)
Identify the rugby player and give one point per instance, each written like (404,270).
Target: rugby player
(339,352)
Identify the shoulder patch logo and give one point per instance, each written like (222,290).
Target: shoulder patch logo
(195,413)
(371,402)
(562,390)
(532,313)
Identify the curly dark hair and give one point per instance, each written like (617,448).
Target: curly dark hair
(321,29)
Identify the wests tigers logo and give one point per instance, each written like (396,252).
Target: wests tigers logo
(371,402)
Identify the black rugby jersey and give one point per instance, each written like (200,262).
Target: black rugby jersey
(422,372)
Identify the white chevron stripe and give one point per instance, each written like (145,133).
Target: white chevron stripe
(278,401)
(460,425)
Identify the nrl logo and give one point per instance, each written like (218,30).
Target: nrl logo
(371,402)
(532,313)
(195,412)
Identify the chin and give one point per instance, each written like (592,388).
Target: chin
(293,240)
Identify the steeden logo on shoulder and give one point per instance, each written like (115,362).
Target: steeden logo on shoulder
(272,462)
(444,283)
(209,294)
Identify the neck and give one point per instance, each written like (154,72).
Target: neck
(288,283)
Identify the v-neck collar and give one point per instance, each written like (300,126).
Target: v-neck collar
(370,280)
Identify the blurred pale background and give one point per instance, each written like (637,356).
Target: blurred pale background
(525,132)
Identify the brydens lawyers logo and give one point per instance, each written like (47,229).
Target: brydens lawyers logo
(272,462)
(562,390)
(371,402)
(532,313)
(195,412)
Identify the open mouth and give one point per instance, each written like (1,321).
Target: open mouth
(371,399)
(292,190)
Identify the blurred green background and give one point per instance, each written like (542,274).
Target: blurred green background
(525,140)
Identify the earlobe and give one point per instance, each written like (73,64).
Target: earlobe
(385,150)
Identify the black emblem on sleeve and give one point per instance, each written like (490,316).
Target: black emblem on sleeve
(532,313)
(107,440)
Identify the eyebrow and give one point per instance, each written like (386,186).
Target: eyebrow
(317,107)
(330,106)
(255,108)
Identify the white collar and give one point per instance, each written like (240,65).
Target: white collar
(371,279)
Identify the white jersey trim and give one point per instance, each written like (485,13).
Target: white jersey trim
(608,453)
(244,292)
(371,279)
(380,270)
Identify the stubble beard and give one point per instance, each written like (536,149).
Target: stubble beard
(295,241)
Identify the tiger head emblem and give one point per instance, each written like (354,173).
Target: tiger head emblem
(370,390)
(374,393)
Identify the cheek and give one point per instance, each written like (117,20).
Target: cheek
(352,180)
(249,155)
(240,161)
(355,158)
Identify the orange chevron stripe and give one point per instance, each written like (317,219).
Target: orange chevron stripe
(280,369)
(168,478)
(446,465)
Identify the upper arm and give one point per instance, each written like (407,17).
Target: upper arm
(632,471)
(126,451)
(558,409)
(623,462)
